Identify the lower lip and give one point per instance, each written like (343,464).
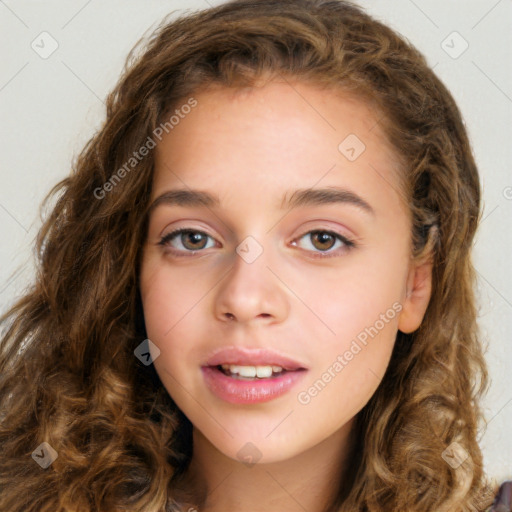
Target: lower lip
(237,391)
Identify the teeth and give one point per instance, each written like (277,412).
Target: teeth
(261,372)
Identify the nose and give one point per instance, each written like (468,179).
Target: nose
(251,293)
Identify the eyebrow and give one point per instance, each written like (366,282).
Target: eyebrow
(299,197)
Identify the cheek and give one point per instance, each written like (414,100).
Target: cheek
(167,297)
(350,368)
(350,299)
(168,302)
(166,305)
(361,305)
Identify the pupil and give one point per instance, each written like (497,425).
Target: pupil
(324,238)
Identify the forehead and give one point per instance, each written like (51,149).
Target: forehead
(267,137)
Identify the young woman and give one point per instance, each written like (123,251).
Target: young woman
(255,290)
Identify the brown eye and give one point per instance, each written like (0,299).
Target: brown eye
(193,240)
(322,240)
(186,240)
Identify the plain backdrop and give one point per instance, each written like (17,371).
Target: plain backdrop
(60,59)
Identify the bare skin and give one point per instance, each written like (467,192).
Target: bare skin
(251,148)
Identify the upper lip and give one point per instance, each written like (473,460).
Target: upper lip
(253,357)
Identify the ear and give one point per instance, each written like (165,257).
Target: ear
(417,296)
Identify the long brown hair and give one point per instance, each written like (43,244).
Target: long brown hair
(69,376)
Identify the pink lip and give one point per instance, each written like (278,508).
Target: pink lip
(238,391)
(253,357)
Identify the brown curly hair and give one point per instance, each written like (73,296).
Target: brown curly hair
(68,372)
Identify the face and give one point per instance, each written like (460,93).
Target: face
(269,274)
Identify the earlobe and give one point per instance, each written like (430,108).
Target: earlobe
(417,296)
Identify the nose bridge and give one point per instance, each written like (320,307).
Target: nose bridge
(250,289)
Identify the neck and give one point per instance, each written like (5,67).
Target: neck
(308,481)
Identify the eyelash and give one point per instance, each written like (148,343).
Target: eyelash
(348,244)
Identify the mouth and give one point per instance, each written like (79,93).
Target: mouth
(245,384)
(242,375)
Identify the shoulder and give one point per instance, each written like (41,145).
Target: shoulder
(503,499)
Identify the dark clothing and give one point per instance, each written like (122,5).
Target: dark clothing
(503,499)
